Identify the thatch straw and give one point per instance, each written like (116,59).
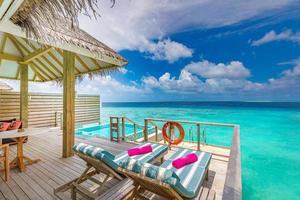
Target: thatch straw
(56,21)
(33,14)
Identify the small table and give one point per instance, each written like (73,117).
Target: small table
(20,137)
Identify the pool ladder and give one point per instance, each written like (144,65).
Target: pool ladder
(115,129)
(191,135)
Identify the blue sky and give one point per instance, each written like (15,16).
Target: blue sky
(198,50)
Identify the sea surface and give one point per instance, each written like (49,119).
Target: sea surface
(270,138)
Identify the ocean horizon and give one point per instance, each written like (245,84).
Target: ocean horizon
(269,131)
(262,104)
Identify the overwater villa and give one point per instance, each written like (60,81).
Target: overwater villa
(52,148)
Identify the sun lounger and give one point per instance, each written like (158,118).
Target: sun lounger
(167,181)
(101,161)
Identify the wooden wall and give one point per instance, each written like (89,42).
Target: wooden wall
(45,109)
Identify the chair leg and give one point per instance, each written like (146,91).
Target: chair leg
(73,193)
(206,175)
(6,163)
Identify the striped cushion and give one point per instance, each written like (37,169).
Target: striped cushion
(131,164)
(92,151)
(157,150)
(151,171)
(115,161)
(191,176)
(159,173)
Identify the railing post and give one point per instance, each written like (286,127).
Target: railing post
(198,137)
(171,132)
(134,132)
(156,133)
(123,128)
(146,130)
(111,128)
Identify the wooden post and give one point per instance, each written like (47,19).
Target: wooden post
(146,130)
(68,103)
(24,95)
(111,128)
(198,137)
(156,133)
(134,132)
(123,128)
(171,129)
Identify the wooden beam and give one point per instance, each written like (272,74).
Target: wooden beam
(15,43)
(61,53)
(10,57)
(82,63)
(56,59)
(24,95)
(28,51)
(45,59)
(3,42)
(42,71)
(37,53)
(47,69)
(96,63)
(68,103)
(52,65)
(37,73)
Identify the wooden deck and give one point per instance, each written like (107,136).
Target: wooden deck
(40,179)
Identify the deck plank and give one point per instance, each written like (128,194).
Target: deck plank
(41,178)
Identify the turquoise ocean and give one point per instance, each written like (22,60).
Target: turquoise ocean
(270,138)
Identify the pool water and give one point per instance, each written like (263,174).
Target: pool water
(103,130)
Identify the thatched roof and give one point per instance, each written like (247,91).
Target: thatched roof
(4,86)
(30,36)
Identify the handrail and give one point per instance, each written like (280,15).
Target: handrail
(233,183)
(130,120)
(193,122)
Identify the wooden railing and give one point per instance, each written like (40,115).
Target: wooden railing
(233,182)
(196,123)
(125,120)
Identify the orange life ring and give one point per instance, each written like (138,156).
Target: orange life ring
(172,124)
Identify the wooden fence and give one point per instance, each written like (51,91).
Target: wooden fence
(45,109)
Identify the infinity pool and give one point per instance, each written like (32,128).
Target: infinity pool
(103,130)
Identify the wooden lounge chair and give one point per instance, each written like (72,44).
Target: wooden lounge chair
(167,181)
(4,157)
(101,161)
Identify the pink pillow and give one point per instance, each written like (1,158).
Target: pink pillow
(185,160)
(4,126)
(139,150)
(15,125)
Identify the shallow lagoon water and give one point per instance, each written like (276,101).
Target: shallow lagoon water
(270,138)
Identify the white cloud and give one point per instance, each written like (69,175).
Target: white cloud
(271,36)
(167,50)
(289,79)
(136,24)
(206,69)
(123,70)
(206,77)
(108,87)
